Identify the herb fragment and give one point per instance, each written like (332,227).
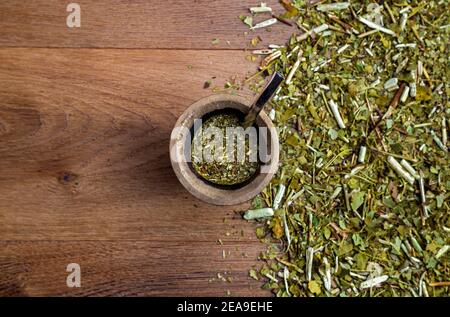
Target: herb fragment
(258,213)
(261,9)
(333,6)
(398,168)
(248,20)
(264,24)
(374,281)
(337,115)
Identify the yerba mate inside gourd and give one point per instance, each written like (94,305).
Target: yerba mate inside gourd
(221,154)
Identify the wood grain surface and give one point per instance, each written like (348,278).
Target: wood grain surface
(137,24)
(85,175)
(128,268)
(85,122)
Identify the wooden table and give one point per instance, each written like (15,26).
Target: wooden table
(85,120)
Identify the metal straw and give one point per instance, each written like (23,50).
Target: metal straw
(263,98)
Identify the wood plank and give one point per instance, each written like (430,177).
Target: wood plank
(126,269)
(136,24)
(84,144)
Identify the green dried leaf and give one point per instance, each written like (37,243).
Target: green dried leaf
(253,274)
(333,134)
(327,233)
(357,199)
(345,248)
(291,10)
(248,20)
(314,287)
(361,261)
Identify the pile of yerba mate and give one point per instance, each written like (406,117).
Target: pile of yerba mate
(359,206)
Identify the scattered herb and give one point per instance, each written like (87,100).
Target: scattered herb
(255,41)
(207,84)
(361,196)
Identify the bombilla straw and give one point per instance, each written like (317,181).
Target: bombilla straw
(263,98)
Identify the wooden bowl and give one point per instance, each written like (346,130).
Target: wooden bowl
(180,152)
